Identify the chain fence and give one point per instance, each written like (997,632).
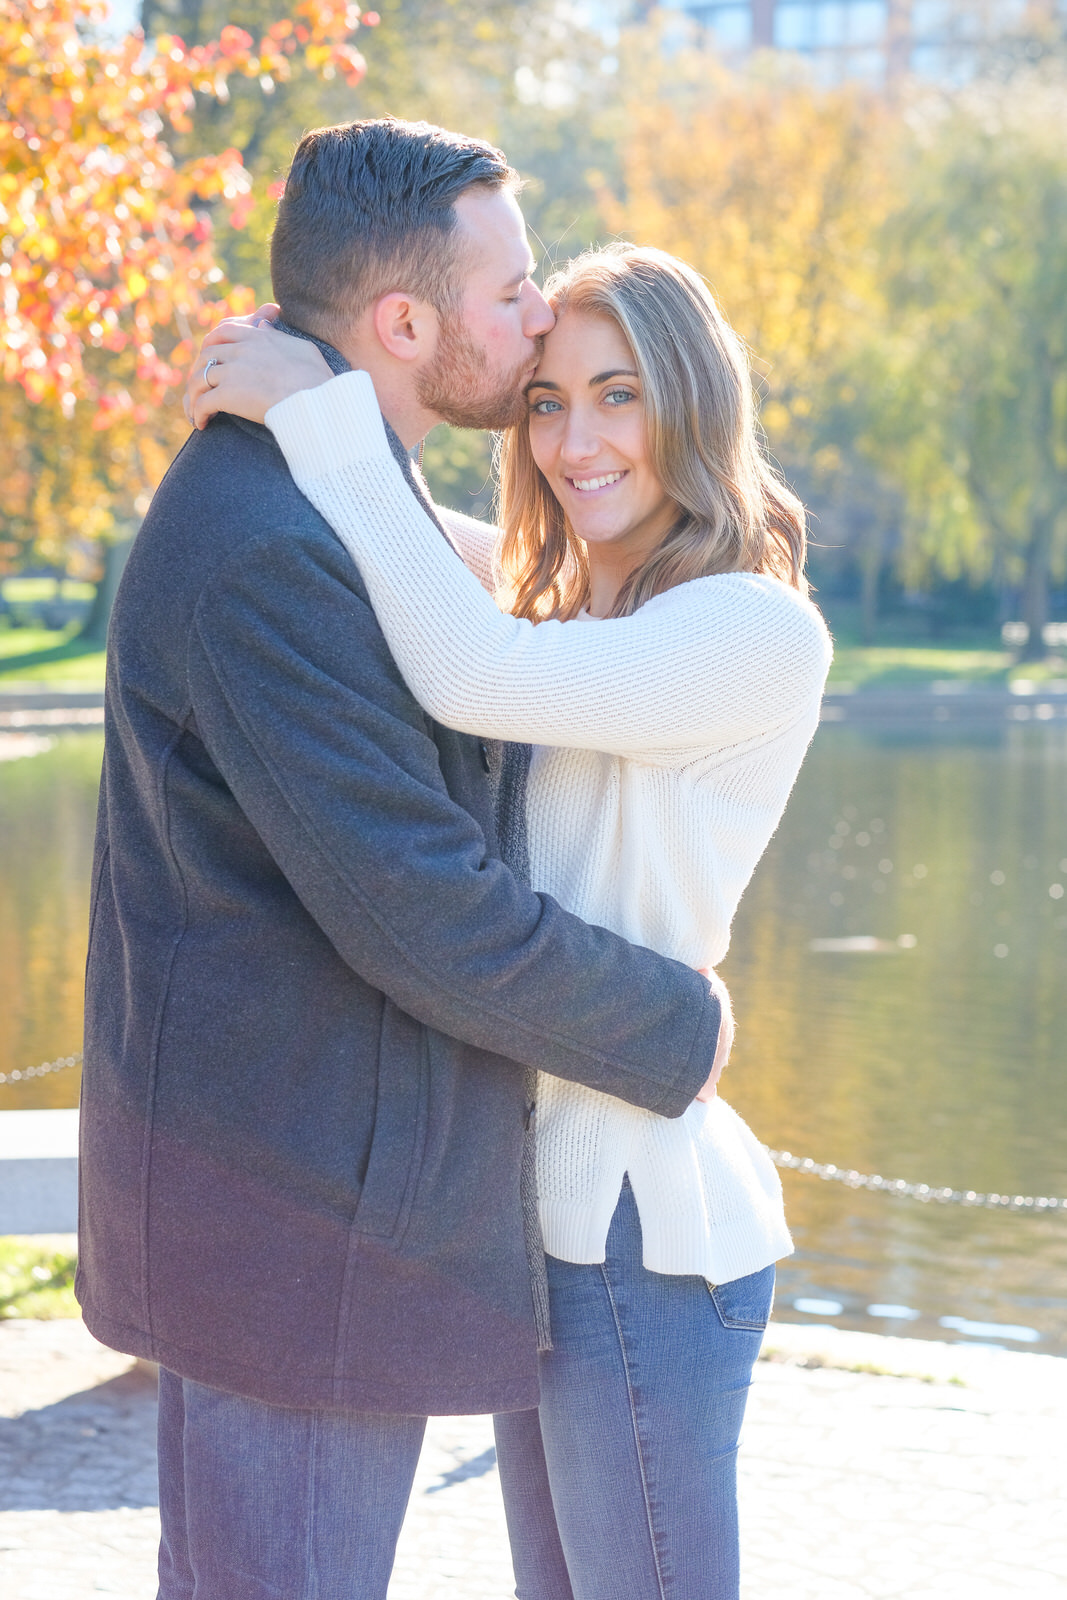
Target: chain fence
(924,1192)
(899,1187)
(42,1071)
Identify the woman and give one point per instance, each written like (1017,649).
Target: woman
(659,651)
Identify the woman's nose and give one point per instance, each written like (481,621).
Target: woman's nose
(580,441)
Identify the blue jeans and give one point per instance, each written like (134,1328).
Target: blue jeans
(622,1486)
(260,1502)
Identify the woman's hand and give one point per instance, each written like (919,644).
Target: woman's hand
(246,365)
(726,1033)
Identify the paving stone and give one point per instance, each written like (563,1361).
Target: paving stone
(854,1486)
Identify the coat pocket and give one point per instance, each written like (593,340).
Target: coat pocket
(746,1302)
(400,1120)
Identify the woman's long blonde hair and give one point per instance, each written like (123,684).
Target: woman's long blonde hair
(735,512)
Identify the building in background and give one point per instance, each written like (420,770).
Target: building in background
(876,39)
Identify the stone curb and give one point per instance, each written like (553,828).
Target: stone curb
(33,710)
(42,710)
(960,703)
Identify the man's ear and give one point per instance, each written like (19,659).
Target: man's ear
(406,328)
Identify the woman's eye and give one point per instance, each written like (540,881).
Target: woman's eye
(542,408)
(619,397)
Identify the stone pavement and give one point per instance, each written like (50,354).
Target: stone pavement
(944,1481)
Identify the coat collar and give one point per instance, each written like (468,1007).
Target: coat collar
(337,364)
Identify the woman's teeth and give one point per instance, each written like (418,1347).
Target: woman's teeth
(586,484)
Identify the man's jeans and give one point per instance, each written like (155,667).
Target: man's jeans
(260,1502)
(623,1485)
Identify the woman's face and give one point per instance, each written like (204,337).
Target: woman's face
(587,434)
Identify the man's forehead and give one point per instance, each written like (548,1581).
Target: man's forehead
(496,230)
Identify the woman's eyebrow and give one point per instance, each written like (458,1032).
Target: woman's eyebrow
(601,377)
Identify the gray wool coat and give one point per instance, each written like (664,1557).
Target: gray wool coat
(313,986)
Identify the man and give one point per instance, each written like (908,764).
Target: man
(313,986)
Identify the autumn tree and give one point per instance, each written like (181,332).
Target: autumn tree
(108,268)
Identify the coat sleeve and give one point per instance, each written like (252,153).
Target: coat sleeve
(705,666)
(305,714)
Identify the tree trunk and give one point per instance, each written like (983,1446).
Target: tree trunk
(1035,587)
(94,630)
(871,568)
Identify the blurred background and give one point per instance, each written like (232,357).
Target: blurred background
(877,192)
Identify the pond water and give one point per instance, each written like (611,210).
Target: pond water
(933,1047)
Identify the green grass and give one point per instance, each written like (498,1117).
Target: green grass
(37,657)
(48,659)
(31,591)
(918,666)
(904,656)
(37,1279)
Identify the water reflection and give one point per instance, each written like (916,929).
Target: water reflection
(899,968)
(47,811)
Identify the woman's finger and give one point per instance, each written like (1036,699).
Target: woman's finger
(225,335)
(220,344)
(211,400)
(233,330)
(222,385)
(199,381)
(248,375)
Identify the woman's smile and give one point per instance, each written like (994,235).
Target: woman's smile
(590,485)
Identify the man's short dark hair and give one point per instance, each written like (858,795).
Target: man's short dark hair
(368,208)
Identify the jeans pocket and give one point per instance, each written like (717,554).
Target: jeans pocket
(746,1302)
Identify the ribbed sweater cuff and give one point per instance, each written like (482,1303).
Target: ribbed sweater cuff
(334,425)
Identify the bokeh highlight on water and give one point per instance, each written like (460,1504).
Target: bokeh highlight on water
(899,970)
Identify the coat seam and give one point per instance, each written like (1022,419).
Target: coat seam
(157,1028)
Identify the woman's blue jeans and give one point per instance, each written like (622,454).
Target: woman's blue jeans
(622,1486)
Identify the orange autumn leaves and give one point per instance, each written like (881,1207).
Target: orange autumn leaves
(107,237)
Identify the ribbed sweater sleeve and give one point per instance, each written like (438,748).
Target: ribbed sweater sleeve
(474,542)
(711,663)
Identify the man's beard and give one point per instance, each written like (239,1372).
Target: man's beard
(455,386)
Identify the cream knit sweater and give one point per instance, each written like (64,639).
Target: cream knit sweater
(666,744)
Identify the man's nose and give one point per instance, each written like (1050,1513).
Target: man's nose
(538,316)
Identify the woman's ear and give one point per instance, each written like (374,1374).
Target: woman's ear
(406,328)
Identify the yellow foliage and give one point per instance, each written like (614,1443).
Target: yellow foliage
(775,192)
(72,484)
(108,265)
(96,207)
